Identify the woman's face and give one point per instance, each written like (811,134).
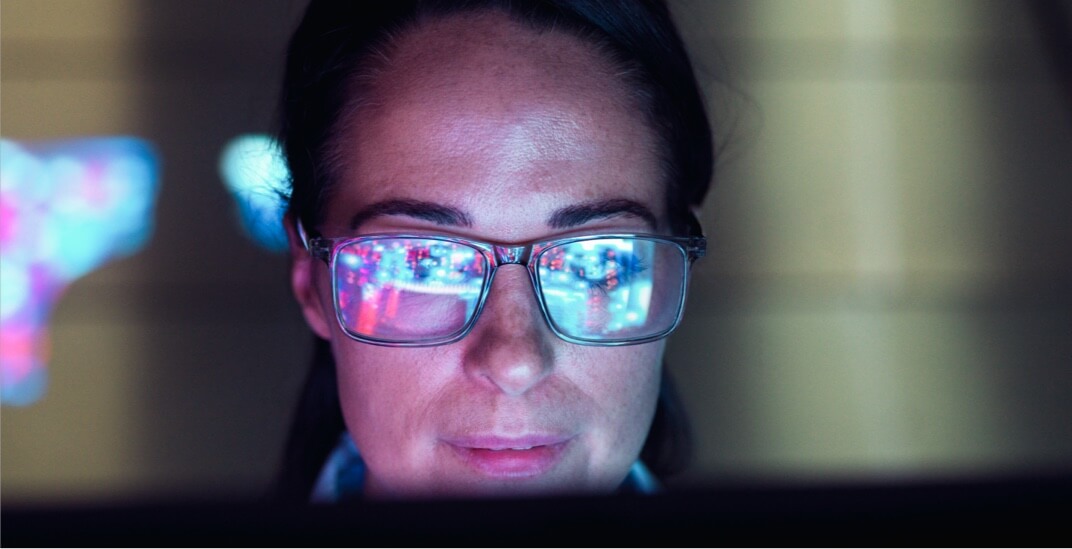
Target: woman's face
(483,128)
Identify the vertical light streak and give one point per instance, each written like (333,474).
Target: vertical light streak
(875,212)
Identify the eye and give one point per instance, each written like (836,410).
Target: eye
(616,269)
(593,266)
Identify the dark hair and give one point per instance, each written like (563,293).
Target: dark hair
(339,41)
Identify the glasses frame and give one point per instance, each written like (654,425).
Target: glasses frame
(327,250)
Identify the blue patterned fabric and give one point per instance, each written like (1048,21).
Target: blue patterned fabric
(342,477)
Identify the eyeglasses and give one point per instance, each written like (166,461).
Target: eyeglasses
(418,290)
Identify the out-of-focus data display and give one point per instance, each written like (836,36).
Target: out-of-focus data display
(66,208)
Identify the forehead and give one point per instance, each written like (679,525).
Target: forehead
(501,121)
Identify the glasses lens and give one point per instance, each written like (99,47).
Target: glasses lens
(407,290)
(613,289)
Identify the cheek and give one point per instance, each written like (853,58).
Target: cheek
(380,393)
(386,401)
(624,381)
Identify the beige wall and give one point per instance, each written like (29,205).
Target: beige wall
(889,287)
(887,292)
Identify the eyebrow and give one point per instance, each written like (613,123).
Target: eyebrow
(563,218)
(428,211)
(572,216)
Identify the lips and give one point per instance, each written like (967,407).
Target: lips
(511,457)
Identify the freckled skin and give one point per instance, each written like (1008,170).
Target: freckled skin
(507,125)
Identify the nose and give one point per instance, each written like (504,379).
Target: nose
(510,345)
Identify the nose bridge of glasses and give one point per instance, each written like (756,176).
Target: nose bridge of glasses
(505,255)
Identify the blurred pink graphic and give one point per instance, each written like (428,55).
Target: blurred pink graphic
(66,208)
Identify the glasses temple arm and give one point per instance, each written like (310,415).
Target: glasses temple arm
(316,246)
(697,246)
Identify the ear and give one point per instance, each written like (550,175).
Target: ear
(303,281)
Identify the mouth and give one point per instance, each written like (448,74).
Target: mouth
(520,457)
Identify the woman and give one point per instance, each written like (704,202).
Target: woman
(490,231)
